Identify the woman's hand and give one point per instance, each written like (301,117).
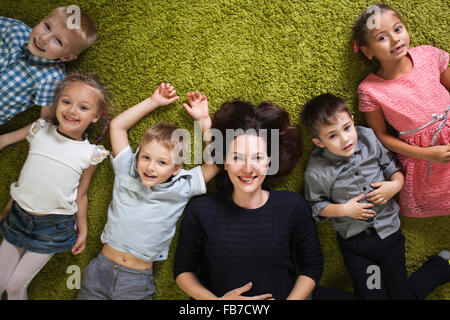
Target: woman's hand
(236,294)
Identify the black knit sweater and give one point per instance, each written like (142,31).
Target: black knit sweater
(227,246)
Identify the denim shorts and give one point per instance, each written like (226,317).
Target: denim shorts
(41,234)
(104,279)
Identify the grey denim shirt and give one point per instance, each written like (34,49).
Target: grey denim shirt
(331,178)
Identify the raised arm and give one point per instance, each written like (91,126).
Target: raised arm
(199,110)
(163,95)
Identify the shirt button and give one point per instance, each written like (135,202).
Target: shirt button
(364,188)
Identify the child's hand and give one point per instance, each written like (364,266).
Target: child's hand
(439,154)
(384,192)
(80,245)
(356,210)
(198,108)
(164,95)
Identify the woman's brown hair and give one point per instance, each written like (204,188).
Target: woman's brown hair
(244,115)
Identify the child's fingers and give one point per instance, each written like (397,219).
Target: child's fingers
(190,98)
(76,248)
(376,184)
(366,205)
(365,216)
(373,194)
(173,99)
(376,197)
(188,108)
(367,211)
(358,198)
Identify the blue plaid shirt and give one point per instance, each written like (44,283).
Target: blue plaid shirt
(25,79)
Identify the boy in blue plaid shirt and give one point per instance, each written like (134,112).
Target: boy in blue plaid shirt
(32,61)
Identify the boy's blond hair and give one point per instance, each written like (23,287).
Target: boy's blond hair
(163,133)
(87,33)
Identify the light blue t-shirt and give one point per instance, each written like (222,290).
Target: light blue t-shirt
(142,220)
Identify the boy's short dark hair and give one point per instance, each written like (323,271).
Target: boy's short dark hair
(321,110)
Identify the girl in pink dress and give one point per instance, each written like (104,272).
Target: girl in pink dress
(410,91)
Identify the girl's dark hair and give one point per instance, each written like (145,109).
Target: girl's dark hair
(244,115)
(321,110)
(360,28)
(93,81)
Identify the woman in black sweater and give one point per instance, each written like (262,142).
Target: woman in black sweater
(250,241)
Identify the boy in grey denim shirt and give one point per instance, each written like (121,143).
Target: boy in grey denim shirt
(351,179)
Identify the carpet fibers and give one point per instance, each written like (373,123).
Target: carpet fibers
(281,51)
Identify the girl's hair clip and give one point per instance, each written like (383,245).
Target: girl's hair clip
(355,46)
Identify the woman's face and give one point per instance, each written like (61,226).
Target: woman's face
(247,163)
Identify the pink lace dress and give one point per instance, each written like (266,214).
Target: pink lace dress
(417,106)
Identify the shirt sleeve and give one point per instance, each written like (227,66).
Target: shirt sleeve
(190,243)
(442,57)
(122,162)
(99,154)
(387,160)
(196,185)
(366,102)
(316,194)
(35,127)
(45,92)
(5,23)
(306,244)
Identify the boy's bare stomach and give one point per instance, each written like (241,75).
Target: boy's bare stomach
(125,259)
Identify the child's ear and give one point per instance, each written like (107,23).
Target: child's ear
(97,117)
(68,58)
(366,51)
(317,142)
(178,168)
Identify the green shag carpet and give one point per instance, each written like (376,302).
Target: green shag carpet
(284,51)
